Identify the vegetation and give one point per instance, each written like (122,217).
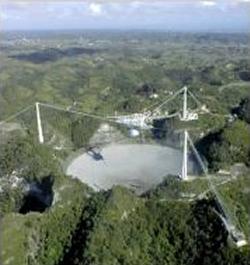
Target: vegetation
(24,157)
(151,231)
(42,238)
(228,146)
(244,109)
(121,68)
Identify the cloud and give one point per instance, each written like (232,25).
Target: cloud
(135,4)
(3,15)
(208,3)
(157,14)
(96,9)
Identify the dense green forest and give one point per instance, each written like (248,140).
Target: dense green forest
(108,72)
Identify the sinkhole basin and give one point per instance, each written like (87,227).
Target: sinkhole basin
(136,166)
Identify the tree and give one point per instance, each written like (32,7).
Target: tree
(27,158)
(237,136)
(227,146)
(245,109)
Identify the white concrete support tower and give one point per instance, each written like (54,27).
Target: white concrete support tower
(184,111)
(39,124)
(184,175)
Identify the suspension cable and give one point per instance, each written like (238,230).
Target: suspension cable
(195,98)
(168,99)
(16,114)
(76,112)
(222,206)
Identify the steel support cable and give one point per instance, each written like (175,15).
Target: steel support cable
(110,119)
(155,104)
(121,113)
(76,112)
(127,114)
(195,98)
(220,202)
(169,99)
(16,114)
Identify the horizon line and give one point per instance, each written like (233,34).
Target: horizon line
(129,29)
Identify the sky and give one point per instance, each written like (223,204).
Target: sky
(169,15)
